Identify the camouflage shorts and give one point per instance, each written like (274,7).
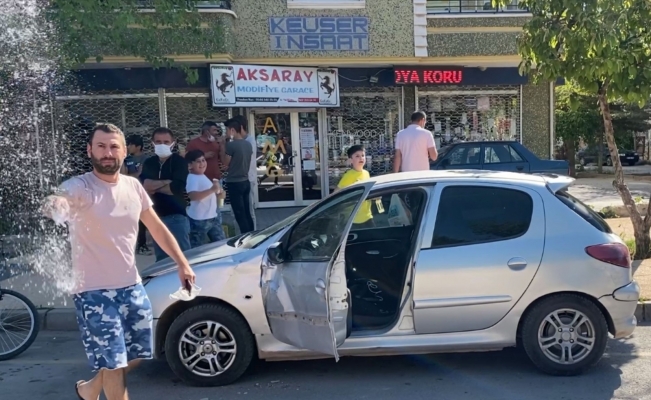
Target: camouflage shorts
(115,326)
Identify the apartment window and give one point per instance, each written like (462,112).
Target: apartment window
(471,6)
(326,4)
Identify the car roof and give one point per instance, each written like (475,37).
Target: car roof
(555,182)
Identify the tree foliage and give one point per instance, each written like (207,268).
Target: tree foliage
(605,47)
(93,29)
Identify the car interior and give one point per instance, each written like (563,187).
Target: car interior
(377,259)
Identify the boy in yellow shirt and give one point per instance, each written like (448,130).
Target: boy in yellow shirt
(357,158)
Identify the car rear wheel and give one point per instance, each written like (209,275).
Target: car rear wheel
(609,161)
(565,335)
(209,345)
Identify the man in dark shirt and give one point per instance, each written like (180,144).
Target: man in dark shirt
(132,166)
(236,156)
(164,176)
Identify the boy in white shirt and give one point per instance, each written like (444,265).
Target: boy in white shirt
(203,212)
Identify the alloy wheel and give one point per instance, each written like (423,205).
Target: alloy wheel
(566,336)
(207,348)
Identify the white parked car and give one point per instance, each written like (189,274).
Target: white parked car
(453,261)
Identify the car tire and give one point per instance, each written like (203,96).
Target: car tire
(235,326)
(535,323)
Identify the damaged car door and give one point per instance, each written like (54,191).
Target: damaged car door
(303,279)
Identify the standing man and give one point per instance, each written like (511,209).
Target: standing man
(253,169)
(414,146)
(133,167)
(164,177)
(102,209)
(236,155)
(208,144)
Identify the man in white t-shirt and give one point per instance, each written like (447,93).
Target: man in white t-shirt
(414,146)
(203,212)
(253,169)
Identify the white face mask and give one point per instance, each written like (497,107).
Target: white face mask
(163,150)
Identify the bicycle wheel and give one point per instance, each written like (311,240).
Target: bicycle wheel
(19,324)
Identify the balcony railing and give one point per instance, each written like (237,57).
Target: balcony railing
(471,7)
(202,5)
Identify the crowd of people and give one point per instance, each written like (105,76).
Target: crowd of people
(188,190)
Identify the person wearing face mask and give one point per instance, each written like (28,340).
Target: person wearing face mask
(164,177)
(208,144)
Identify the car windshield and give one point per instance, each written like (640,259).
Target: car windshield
(256,238)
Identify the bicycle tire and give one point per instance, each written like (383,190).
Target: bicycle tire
(35,329)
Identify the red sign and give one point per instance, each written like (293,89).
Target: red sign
(425,76)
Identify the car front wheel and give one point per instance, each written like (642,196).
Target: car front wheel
(209,345)
(565,335)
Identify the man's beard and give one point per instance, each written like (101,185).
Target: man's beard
(110,169)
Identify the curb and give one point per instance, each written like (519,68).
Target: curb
(65,319)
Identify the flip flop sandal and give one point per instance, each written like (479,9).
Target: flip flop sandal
(77,389)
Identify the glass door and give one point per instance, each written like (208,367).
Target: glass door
(287,157)
(310,158)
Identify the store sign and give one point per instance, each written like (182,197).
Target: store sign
(318,33)
(272,86)
(429,76)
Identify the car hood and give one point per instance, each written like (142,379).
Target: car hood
(205,253)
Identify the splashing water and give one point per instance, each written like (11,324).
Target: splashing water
(30,162)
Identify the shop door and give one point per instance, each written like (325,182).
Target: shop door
(287,157)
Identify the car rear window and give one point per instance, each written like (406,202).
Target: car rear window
(584,211)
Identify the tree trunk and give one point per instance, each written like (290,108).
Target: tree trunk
(570,154)
(600,154)
(640,226)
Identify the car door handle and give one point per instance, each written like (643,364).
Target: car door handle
(517,263)
(519,167)
(320,286)
(373,252)
(351,237)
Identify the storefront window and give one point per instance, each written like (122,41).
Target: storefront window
(367,116)
(471,113)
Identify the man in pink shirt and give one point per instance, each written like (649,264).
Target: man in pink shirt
(414,146)
(102,209)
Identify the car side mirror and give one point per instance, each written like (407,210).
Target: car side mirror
(275,253)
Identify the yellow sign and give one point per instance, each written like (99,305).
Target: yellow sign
(269,123)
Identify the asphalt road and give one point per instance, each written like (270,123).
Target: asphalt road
(50,367)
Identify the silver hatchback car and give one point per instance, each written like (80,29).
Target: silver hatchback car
(435,261)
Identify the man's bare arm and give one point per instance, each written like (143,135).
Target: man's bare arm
(167,242)
(151,185)
(433,154)
(397,161)
(165,190)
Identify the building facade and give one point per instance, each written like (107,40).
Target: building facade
(314,77)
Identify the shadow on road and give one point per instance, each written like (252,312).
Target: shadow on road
(506,374)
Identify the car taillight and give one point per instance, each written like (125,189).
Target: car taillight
(611,253)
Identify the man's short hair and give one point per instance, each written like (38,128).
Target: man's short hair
(193,155)
(162,131)
(106,128)
(354,149)
(242,120)
(207,125)
(234,123)
(418,116)
(135,140)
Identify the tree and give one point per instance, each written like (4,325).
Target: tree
(605,47)
(93,29)
(575,123)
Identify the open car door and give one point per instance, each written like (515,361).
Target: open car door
(303,279)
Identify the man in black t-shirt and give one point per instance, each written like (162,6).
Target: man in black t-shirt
(164,176)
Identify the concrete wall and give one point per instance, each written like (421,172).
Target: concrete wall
(391,28)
